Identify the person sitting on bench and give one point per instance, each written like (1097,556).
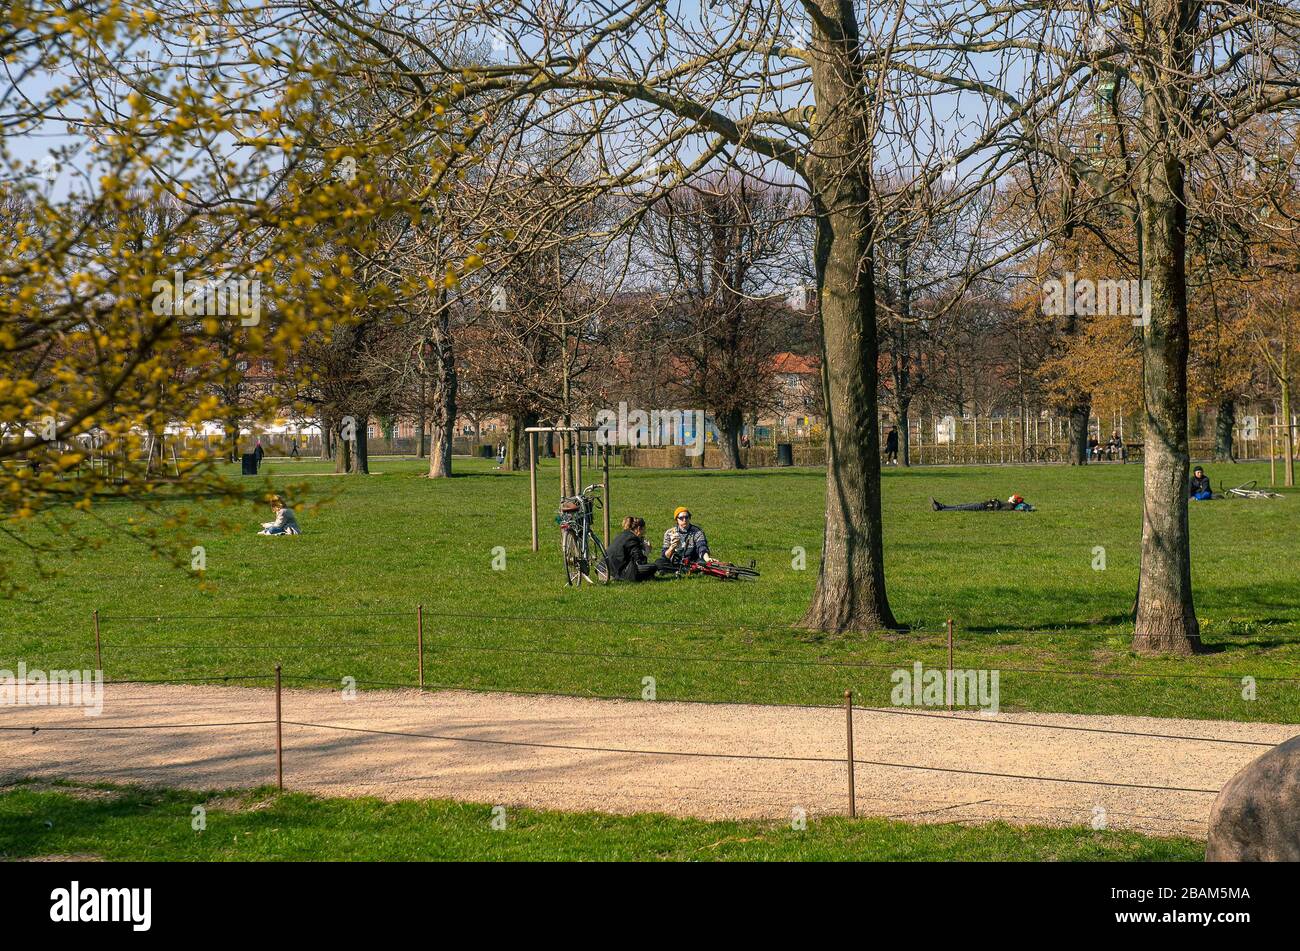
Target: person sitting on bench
(627,559)
(1016,503)
(1199,488)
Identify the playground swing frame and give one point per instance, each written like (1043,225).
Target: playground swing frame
(570,469)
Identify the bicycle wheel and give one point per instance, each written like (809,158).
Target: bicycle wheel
(573,566)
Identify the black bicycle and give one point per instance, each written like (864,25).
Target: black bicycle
(584,555)
(1042,454)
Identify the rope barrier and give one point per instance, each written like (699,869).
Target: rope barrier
(894,711)
(701,754)
(134,726)
(1056,726)
(743,756)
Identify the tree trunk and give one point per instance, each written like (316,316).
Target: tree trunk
(360,448)
(232,439)
(903,357)
(1166,618)
(440,451)
(445,387)
(1223,423)
(904,432)
(850,594)
(1078,449)
(517,443)
(326,437)
(422,421)
(729,425)
(1288,432)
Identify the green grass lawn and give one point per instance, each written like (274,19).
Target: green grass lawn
(1022,590)
(129,824)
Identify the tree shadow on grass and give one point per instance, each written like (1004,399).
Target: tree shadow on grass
(74,822)
(1094,625)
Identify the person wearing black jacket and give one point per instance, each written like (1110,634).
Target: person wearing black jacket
(626,559)
(1199,487)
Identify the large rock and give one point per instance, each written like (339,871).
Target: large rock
(1257,815)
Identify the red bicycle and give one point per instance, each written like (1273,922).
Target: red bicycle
(717,569)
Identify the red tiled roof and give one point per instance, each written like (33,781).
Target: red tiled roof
(794,363)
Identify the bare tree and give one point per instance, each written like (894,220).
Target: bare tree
(721,249)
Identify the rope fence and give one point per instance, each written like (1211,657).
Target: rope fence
(851,761)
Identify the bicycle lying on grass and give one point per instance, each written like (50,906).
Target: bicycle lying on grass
(584,555)
(1247,490)
(715,569)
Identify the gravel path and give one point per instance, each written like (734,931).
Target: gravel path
(344,762)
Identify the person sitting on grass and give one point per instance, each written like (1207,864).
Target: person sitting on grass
(1016,503)
(286,523)
(626,559)
(1199,488)
(683,542)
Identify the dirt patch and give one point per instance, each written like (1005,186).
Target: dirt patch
(80,857)
(236,804)
(71,791)
(710,761)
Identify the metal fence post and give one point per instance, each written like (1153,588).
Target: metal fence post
(419,639)
(279,736)
(99,657)
(848,719)
(950,681)
(605,493)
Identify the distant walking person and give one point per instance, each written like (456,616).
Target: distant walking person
(891,446)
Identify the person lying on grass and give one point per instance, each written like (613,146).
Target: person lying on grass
(627,559)
(683,542)
(285,523)
(1016,503)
